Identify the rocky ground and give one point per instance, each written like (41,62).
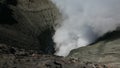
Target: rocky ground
(26,29)
(11,57)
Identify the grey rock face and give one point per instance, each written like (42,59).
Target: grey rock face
(38,15)
(106,50)
(32,17)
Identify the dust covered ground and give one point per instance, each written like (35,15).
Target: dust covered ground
(11,57)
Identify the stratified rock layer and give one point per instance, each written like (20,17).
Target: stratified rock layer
(22,22)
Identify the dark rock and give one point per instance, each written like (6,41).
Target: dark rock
(23,24)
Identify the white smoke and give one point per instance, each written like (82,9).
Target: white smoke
(84,21)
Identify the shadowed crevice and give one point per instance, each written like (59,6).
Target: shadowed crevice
(6,15)
(46,41)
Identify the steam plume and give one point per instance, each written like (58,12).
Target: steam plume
(83,22)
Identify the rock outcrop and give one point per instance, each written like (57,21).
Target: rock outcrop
(105,50)
(23,23)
